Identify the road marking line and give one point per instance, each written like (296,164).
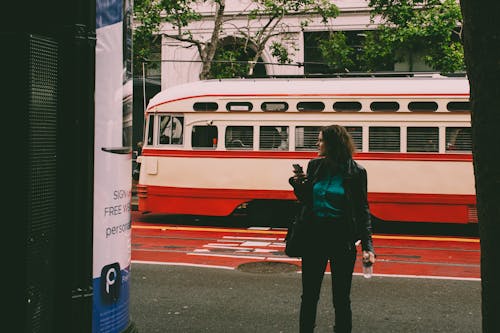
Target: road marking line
(429,238)
(220,246)
(416,262)
(145,262)
(263,251)
(250,238)
(164,228)
(255,243)
(225,255)
(180,264)
(230,241)
(284,259)
(423,277)
(220,242)
(278,232)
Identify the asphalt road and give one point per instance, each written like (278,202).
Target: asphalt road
(166,298)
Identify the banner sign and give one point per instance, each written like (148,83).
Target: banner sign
(112,167)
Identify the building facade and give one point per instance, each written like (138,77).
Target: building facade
(181,63)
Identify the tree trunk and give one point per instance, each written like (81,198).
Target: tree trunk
(482,56)
(252,63)
(209,52)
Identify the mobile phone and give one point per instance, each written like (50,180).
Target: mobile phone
(297,168)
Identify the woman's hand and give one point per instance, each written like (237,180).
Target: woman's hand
(298,177)
(369,256)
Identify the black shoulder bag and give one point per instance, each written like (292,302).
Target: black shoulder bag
(295,238)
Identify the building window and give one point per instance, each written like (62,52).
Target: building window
(422,139)
(204,137)
(384,139)
(239,137)
(315,63)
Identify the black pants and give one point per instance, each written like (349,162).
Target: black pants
(324,246)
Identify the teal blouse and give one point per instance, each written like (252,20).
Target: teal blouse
(329,197)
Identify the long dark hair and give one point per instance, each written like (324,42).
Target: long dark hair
(338,143)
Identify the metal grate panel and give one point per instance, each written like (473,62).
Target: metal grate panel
(41,192)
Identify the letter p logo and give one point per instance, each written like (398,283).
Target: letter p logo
(110,278)
(111,281)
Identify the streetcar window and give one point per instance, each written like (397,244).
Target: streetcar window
(273,138)
(306,137)
(204,137)
(171,129)
(422,106)
(458,106)
(239,106)
(458,139)
(149,140)
(274,106)
(239,137)
(384,139)
(384,106)
(310,106)
(356,133)
(205,106)
(422,139)
(346,106)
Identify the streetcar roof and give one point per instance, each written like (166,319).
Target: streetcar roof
(313,87)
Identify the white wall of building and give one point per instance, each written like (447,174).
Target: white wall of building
(181,64)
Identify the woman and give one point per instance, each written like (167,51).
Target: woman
(336,213)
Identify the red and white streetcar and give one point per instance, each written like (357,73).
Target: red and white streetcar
(218,146)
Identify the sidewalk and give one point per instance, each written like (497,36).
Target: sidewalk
(182,299)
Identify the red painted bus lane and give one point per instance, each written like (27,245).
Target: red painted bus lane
(222,247)
(397,255)
(428,256)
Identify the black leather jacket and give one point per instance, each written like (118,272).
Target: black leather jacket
(355,186)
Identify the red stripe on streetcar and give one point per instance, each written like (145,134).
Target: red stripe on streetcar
(307,95)
(466,157)
(409,207)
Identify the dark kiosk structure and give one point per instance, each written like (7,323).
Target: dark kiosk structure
(48,62)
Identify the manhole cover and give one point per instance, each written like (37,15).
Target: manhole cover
(267,267)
